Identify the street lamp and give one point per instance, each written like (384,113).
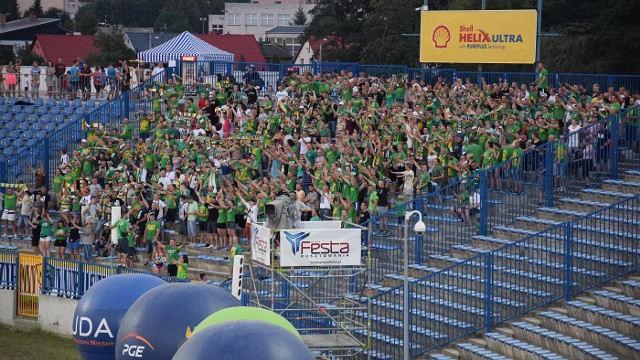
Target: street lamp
(204,20)
(419,228)
(321,44)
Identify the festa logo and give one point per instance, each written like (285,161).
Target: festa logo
(259,243)
(314,248)
(295,240)
(441,36)
(470,35)
(135,351)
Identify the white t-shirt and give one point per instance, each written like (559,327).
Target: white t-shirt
(409,176)
(282,95)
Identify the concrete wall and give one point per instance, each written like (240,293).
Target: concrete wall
(7,306)
(56,314)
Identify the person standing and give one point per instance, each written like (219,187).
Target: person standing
(542,83)
(35,80)
(9,214)
(98,81)
(172,256)
(85,81)
(59,69)
(124,229)
(74,79)
(50,78)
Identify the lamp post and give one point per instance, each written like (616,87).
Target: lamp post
(204,20)
(419,228)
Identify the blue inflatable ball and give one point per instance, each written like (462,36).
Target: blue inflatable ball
(97,317)
(244,340)
(163,318)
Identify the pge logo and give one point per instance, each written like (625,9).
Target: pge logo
(295,239)
(135,350)
(441,36)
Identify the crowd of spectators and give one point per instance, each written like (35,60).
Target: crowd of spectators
(346,146)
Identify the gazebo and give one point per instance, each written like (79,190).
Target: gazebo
(185,44)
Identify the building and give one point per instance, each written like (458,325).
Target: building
(66,47)
(216,24)
(69,6)
(141,41)
(20,33)
(312,50)
(259,16)
(288,37)
(245,48)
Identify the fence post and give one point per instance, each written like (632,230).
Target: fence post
(548,180)
(483,202)
(45,159)
(609,80)
(488,291)
(3,171)
(615,140)
(80,279)
(568,262)
(283,71)
(454,76)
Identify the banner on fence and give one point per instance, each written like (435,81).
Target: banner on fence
(261,244)
(315,247)
(487,36)
(333,225)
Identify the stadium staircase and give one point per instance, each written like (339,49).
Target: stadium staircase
(448,292)
(603,324)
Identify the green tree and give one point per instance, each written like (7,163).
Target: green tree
(36,9)
(112,48)
(178,16)
(384,31)
(342,22)
(85,20)
(66,21)
(139,13)
(11,8)
(299,18)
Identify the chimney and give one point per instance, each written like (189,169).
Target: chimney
(3,19)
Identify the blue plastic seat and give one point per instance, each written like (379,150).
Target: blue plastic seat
(18,117)
(27,134)
(76,103)
(2,100)
(38,101)
(16,109)
(17,143)
(33,118)
(54,110)
(6,117)
(58,119)
(4,142)
(80,110)
(11,125)
(68,110)
(51,102)
(12,100)
(63,102)
(50,127)
(45,118)
(91,103)
(28,109)
(42,110)
(4,108)
(7,151)
(30,143)
(23,126)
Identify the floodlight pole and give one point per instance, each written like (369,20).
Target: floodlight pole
(405,290)
(539,31)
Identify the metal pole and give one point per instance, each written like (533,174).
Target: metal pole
(320,60)
(539,30)
(483,6)
(405,293)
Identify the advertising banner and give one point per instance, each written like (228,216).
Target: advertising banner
(261,244)
(315,247)
(482,36)
(333,225)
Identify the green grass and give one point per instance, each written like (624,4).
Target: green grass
(35,345)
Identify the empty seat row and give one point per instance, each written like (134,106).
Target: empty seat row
(628,324)
(549,338)
(480,352)
(470,293)
(537,351)
(50,102)
(425,314)
(616,341)
(400,325)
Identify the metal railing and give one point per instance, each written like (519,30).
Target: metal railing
(70,278)
(511,279)
(8,270)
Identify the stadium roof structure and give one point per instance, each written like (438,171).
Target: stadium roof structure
(241,46)
(65,47)
(185,44)
(26,23)
(284,29)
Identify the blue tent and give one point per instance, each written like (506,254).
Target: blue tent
(185,44)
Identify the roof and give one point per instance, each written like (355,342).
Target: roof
(282,29)
(272,51)
(25,23)
(66,47)
(242,46)
(185,44)
(140,40)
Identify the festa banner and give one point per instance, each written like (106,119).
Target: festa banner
(261,244)
(482,36)
(316,247)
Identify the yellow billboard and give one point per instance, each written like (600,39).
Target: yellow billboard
(486,36)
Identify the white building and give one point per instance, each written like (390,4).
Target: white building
(261,15)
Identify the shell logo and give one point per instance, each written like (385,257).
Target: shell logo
(441,36)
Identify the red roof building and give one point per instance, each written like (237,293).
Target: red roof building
(66,47)
(243,47)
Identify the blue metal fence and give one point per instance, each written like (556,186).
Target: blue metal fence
(8,270)
(500,283)
(72,279)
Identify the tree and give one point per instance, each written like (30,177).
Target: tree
(66,22)
(342,22)
(11,8)
(178,16)
(300,18)
(112,49)
(35,9)
(385,42)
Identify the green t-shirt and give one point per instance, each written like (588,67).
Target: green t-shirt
(61,233)
(123,226)
(544,84)
(152,229)
(10,202)
(45,227)
(182,271)
(57,183)
(193,208)
(172,252)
